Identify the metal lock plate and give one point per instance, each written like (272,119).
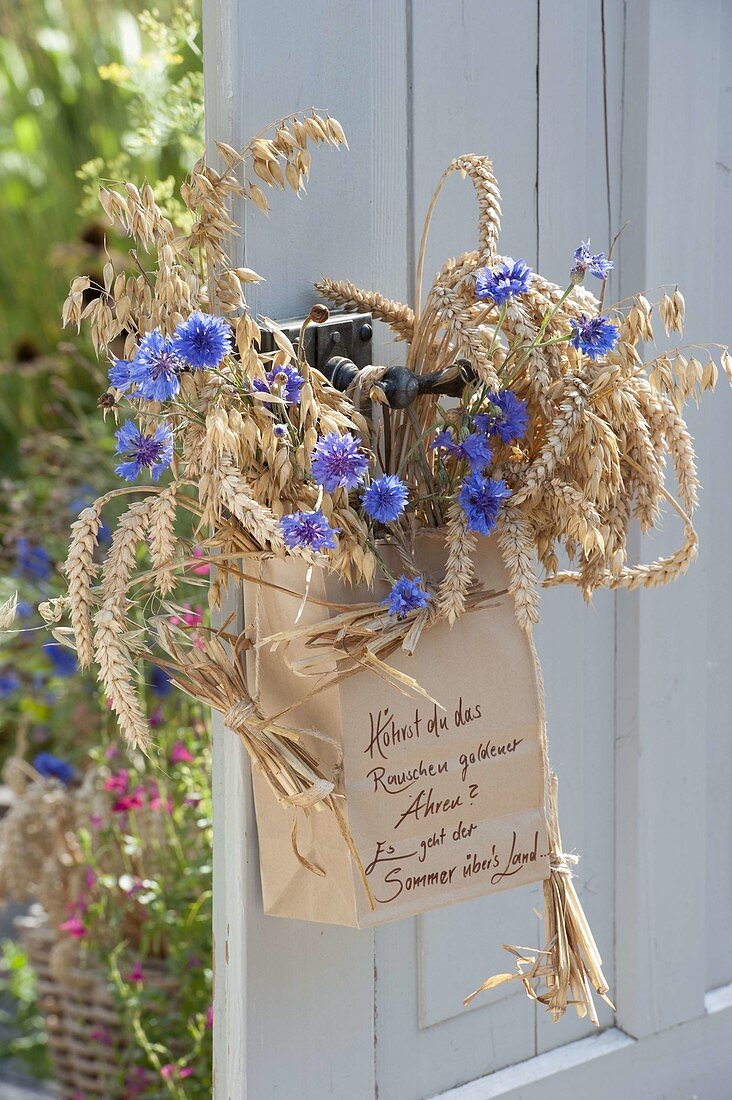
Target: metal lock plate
(346,334)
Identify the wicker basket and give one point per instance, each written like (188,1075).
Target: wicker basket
(74,1009)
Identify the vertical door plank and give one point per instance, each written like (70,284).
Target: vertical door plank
(717,540)
(474,91)
(350,59)
(670,147)
(576,643)
(295,1001)
(233,845)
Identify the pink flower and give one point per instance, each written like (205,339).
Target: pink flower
(95,821)
(209,1016)
(110,752)
(180,754)
(90,878)
(133,801)
(192,800)
(192,616)
(156,719)
(171,1070)
(136,974)
(74,926)
(204,569)
(117,781)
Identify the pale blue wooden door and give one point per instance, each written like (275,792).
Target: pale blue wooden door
(594,113)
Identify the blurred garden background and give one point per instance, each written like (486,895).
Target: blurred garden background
(105,959)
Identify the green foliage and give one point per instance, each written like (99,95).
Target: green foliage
(148,899)
(22,1032)
(146,869)
(111,91)
(88,90)
(163,91)
(59,473)
(56,113)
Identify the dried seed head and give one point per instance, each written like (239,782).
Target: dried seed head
(726,361)
(336,133)
(256,194)
(319,313)
(679,305)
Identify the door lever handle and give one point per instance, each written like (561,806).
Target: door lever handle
(400,385)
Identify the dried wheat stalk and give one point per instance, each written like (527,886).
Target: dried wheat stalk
(162,540)
(460,568)
(80,570)
(398,317)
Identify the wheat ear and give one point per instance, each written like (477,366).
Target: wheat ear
(517,547)
(116,668)
(460,569)
(81,570)
(400,318)
(162,539)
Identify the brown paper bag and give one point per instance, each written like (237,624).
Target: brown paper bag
(444,796)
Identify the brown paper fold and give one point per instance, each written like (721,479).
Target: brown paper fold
(443,791)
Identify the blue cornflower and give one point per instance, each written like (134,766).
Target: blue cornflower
(474,448)
(153,452)
(595,336)
(338,461)
(596,263)
(309,530)
(509,278)
(156,368)
(51,767)
(406,595)
(480,499)
(63,659)
(509,421)
(385,498)
(444,441)
(9,682)
(119,375)
(160,682)
(203,340)
(32,561)
(284,382)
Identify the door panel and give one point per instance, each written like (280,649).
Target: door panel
(460,946)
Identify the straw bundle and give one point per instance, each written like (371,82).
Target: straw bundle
(247,437)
